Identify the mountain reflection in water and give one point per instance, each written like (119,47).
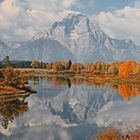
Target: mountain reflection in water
(69,109)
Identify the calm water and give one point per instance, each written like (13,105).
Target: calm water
(69,110)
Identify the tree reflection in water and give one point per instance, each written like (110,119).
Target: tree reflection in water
(11,109)
(127,91)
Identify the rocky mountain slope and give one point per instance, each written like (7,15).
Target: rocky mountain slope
(78,38)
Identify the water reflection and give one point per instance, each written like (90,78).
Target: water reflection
(127,91)
(64,108)
(12,108)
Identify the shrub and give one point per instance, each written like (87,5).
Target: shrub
(12,77)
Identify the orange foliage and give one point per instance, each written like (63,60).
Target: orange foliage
(56,65)
(128,68)
(76,67)
(90,67)
(109,134)
(35,64)
(112,134)
(128,91)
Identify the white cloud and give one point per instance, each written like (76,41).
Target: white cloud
(122,23)
(27,17)
(4,36)
(9,8)
(4,22)
(18,17)
(27,32)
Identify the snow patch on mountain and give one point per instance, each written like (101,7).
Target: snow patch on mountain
(76,37)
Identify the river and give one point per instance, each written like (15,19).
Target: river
(65,109)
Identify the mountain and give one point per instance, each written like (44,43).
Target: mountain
(76,37)
(44,50)
(80,103)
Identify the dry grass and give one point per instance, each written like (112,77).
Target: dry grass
(12,81)
(112,134)
(8,89)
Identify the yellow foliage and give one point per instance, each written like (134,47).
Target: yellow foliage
(13,77)
(77,67)
(35,64)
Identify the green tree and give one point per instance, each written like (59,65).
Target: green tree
(6,61)
(69,64)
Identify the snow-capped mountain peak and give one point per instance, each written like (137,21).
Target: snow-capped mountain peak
(82,38)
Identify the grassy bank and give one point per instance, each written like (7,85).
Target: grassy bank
(91,77)
(13,81)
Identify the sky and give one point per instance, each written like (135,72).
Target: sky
(20,20)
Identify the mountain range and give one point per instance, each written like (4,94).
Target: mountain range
(76,37)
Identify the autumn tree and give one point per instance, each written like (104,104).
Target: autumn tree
(77,67)
(113,67)
(128,68)
(137,70)
(49,66)
(14,78)
(100,65)
(60,65)
(35,64)
(65,65)
(90,67)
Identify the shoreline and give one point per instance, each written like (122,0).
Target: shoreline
(108,78)
(68,74)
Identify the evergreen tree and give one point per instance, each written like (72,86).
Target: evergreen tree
(69,64)
(6,61)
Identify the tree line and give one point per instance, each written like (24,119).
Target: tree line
(21,64)
(124,68)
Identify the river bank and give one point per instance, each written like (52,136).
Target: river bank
(13,81)
(91,77)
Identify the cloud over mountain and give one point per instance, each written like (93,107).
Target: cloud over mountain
(76,37)
(122,23)
(20,20)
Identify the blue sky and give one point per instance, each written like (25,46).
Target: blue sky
(96,6)
(21,19)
